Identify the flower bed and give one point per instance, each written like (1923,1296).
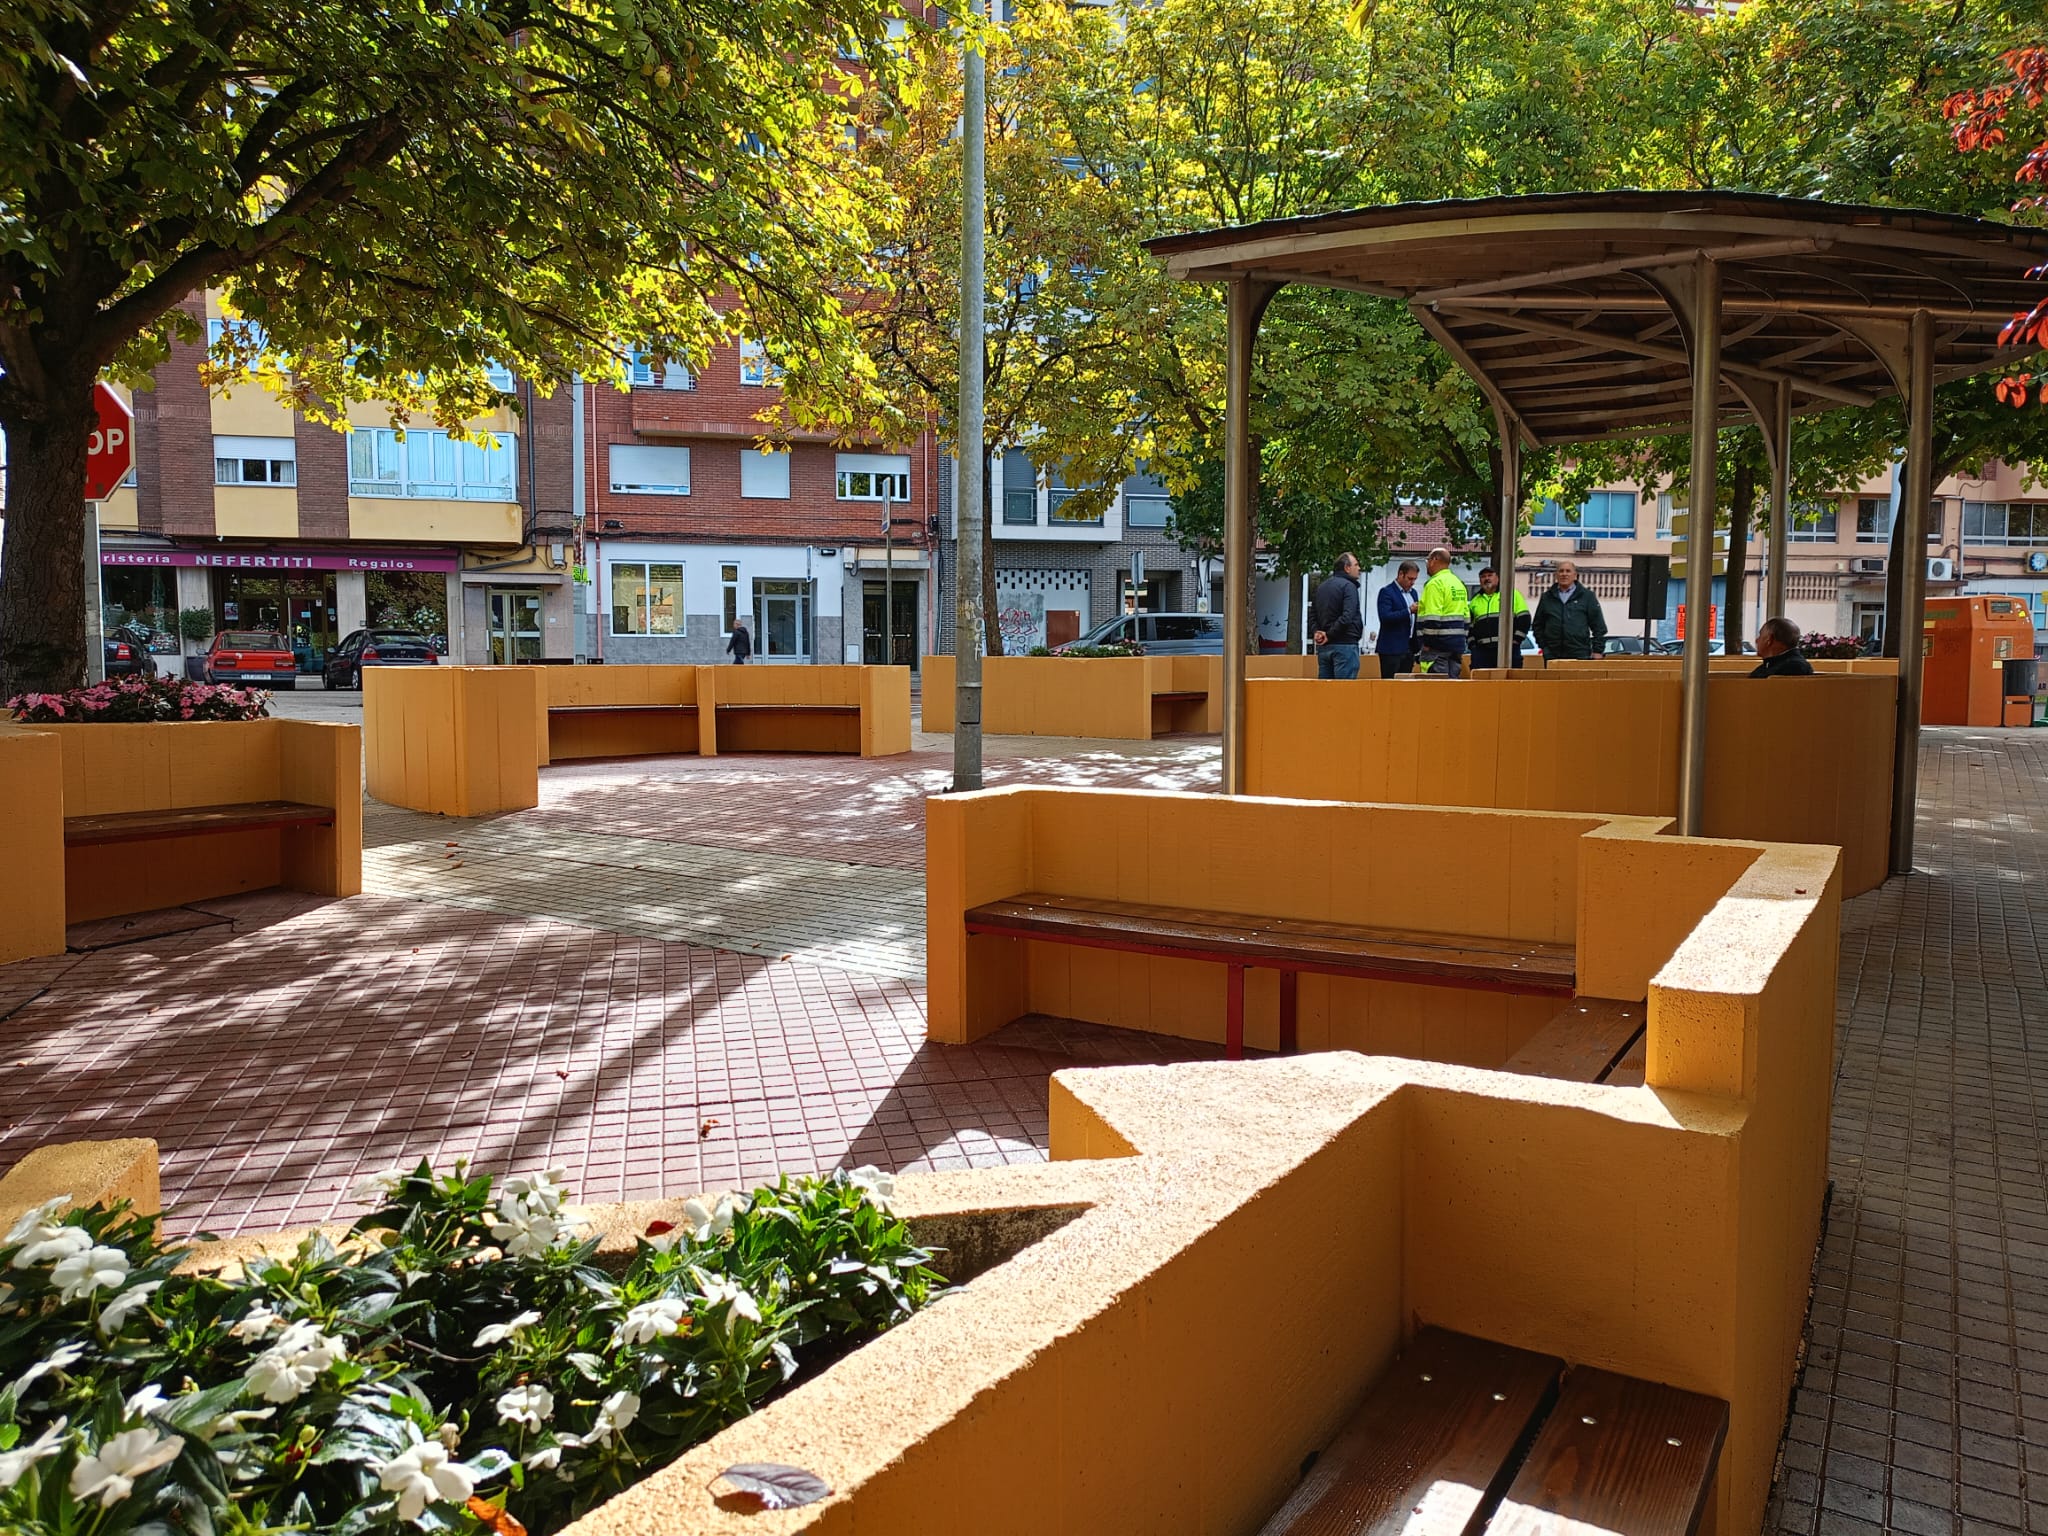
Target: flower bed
(461,1363)
(1833,647)
(1101,652)
(129,700)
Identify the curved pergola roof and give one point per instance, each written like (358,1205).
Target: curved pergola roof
(1559,304)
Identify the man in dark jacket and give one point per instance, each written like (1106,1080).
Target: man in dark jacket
(1569,623)
(741,645)
(1485,633)
(1777,647)
(1337,621)
(1395,646)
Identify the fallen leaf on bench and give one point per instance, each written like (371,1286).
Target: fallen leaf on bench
(769,1485)
(705,1129)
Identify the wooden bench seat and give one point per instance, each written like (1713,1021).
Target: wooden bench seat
(1182,696)
(622,709)
(1238,941)
(1462,1435)
(1590,1040)
(788,709)
(190,821)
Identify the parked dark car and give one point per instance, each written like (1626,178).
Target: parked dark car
(251,656)
(125,658)
(376,648)
(1161,634)
(1636,645)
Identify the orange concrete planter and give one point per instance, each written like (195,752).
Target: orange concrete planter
(53,771)
(1607,743)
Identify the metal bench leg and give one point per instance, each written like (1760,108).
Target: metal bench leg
(1288,1044)
(1233,1030)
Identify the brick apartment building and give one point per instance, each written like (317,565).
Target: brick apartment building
(691,524)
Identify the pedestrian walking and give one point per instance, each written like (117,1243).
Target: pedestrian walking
(741,645)
(1442,619)
(1338,620)
(1777,649)
(1486,622)
(1569,623)
(1395,646)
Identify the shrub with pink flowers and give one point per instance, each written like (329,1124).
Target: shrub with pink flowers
(128,700)
(1833,647)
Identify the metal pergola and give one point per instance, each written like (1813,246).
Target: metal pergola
(1589,315)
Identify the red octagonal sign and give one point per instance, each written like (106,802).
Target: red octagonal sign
(112,451)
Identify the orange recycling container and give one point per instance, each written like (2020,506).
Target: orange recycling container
(1966,642)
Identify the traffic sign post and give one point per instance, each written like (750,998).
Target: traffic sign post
(111,453)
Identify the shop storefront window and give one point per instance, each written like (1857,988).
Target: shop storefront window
(647,599)
(414,600)
(141,606)
(299,605)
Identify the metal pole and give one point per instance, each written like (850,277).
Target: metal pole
(1781,500)
(1699,550)
(1237,523)
(888,587)
(967,632)
(1909,622)
(1506,651)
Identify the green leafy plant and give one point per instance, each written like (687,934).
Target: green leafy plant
(1111,649)
(195,624)
(131,700)
(462,1362)
(1833,647)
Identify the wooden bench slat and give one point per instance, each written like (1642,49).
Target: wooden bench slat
(1634,1066)
(1429,1451)
(188,821)
(621,709)
(1184,696)
(1617,1454)
(1242,939)
(790,709)
(1583,1042)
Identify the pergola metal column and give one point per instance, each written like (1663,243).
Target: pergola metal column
(1910,620)
(1247,300)
(1778,443)
(1510,529)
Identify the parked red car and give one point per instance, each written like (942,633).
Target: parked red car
(251,656)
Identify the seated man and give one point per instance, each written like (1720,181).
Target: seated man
(1777,648)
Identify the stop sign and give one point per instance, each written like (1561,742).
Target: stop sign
(111,454)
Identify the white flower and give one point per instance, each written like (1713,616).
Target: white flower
(231,1423)
(547,1456)
(34,1217)
(613,1415)
(713,1221)
(718,1293)
(376,1188)
(543,1192)
(143,1403)
(649,1321)
(425,1475)
(261,1320)
(51,1242)
(498,1333)
(531,1406)
(527,1230)
(111,1471)
(62,1358)
(290,1366)
(449,1436)
(80,1274)
(879,1185)
(14,1463)
(115,1313)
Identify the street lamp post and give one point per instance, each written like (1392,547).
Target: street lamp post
(967,636)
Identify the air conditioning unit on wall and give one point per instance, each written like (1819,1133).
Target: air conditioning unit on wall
(1867,565)
(1941,570)
(1589,546)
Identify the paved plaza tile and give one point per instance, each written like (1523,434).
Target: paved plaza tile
(678,974)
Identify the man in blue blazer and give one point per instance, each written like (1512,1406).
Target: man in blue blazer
(1396,644)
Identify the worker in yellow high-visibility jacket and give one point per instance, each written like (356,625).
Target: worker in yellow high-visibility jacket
(1442,619)
(1485,629)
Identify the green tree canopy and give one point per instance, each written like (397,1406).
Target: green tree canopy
(395,196)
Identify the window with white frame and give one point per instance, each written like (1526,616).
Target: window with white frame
(1603,515)
(215,329)
(755,368)
(1020,491)
(1874,520)
(1058,511)
(764,476)
(729,591)
(650,469)
(647,371)
(1146,504)
(499,375)
(432,465)
(874,476)
(1999,522)
(1815,522)
(645,598)
(255,461)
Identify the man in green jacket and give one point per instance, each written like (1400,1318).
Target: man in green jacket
(1441,619)
(1485,635)
(1569,623)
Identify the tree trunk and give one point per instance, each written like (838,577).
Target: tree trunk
(1295,616)
(42,576)
(1742,503)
